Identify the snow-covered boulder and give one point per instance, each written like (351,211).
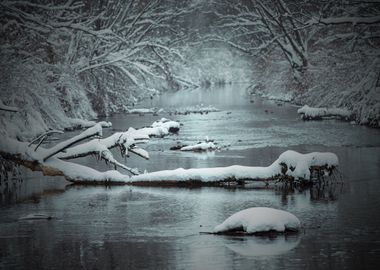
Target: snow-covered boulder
(259,219)
(171,126)
(160,128)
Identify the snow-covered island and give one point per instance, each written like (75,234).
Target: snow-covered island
(259,220)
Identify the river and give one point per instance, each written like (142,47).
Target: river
(125,227)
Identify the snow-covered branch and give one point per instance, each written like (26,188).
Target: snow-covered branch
(52,161)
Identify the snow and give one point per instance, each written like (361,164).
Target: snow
(260,219)
(124,140)
(79,173)
(317,113)
(140,111)
(160,128)
(95,130)
(166,123)
(202,146)
(297,165)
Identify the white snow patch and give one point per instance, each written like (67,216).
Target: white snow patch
(260,219)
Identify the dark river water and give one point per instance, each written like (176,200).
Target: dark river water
(125,227)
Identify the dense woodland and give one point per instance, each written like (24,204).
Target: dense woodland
(71,59)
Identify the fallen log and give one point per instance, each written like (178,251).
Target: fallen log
(289,167)
(310,113)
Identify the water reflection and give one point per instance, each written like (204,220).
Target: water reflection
(327,191)
(263,245)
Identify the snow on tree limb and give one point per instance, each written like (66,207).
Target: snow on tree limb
(51,161)
(95,130)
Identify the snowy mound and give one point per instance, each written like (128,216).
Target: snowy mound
(171,126)
(259,219)
(160,128)
(202,146)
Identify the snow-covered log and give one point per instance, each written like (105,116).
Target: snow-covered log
(259,220)
(310,113)
(202,146)
(290,165)
(141,111)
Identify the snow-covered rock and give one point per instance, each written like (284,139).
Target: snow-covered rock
(259,219)
(160,128)
(310,113)
(171,126)
(202,146)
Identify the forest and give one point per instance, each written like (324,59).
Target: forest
(139,122)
